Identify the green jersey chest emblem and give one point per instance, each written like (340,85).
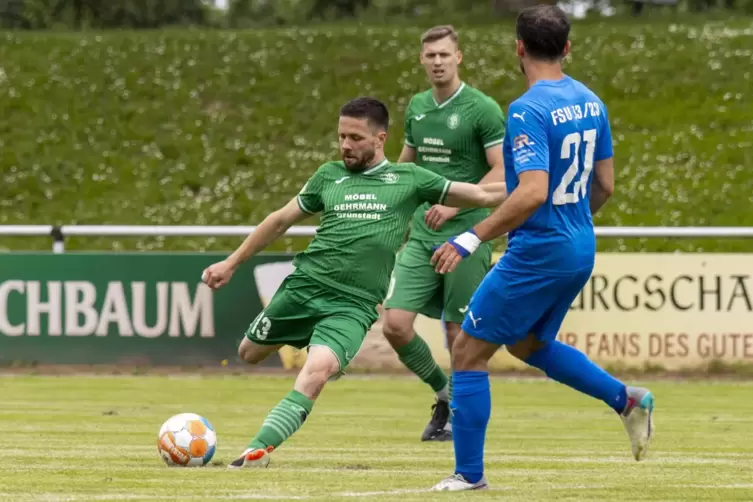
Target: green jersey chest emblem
(453,121)
(389,178)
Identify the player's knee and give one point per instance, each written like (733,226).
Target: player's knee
(461,357)
(398,327)
(452,330)
(251,352)
(471,354)
(321,364)
(523,349)
(248,355)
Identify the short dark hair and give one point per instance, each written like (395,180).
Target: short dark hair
(440,32)
(544,31)
(367,108)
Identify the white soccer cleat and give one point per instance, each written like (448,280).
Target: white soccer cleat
(253,457)
(457,483)
(638,420)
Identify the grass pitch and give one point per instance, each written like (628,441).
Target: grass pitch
(82,438)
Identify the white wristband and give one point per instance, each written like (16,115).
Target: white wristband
(468,241)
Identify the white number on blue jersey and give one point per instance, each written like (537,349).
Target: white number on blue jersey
(570,148)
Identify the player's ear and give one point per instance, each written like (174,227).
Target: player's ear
(460,56)
(519,49)
(382,136)
(567,49)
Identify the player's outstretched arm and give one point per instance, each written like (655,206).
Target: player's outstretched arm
(274,226)
(496,164)
(490,128)
(469,195)
(603,184)
(531,193)
(438,214)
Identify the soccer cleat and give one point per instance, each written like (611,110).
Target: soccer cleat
(439,427)
(638,420)
(253,457)
(457,483)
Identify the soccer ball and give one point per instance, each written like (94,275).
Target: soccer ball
(186,440)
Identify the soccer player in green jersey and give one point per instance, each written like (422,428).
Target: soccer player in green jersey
(456,131)
(329,302)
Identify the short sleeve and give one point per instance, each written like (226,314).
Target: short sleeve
(310,197)
(431,187)
(604,148)
(528,138)
(491,124)
(407,125)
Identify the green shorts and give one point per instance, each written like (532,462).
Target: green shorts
(304,312)
(416,287)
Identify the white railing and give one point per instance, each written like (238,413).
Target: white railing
(59,233)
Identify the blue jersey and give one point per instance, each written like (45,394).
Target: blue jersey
(560,127)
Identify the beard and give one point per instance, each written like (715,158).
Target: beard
(359,163)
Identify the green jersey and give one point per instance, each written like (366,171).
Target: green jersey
(364,219)
(451,139)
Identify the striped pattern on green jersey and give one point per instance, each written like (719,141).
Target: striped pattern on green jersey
(451,139)
(364,219)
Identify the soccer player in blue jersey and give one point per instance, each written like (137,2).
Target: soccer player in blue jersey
(559,171)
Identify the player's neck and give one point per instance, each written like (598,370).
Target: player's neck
(378,159)
(536,71)
(445,92)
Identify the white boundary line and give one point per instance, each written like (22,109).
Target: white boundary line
(243,495)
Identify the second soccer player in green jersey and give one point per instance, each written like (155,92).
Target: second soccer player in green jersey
(329,302)
(456,131)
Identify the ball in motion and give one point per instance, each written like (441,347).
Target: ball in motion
(186,440)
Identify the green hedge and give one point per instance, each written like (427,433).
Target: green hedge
(56,14)
(210,127)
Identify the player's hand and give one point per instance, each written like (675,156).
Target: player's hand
(446,258)
(438,215)
(218,274)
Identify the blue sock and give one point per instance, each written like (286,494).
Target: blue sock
(571,367)
(472,406)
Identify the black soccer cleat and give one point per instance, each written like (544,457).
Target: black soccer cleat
(439,428)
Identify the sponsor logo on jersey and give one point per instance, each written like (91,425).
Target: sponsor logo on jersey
(433,141)
(520,141)
(360,206)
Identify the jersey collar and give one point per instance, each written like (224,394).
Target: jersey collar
(376,168)
(447,101)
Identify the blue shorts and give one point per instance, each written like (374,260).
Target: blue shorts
(510,304)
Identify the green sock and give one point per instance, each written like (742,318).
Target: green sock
(284,419)
(416,356)
(449,385)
